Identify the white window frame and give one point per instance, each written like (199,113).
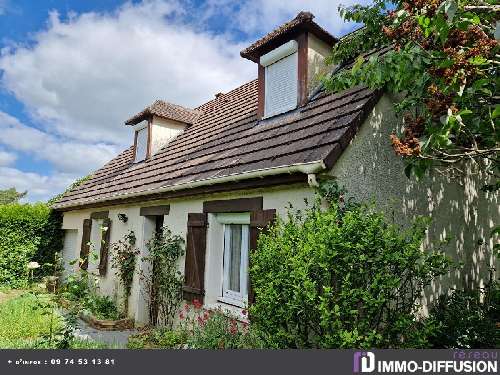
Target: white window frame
(231,297)
(273,59)
(142,126)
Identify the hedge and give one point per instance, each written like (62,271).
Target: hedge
(28,232)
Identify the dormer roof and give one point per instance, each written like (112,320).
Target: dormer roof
(301,23)
(166,110)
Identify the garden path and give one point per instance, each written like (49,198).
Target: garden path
(115,339)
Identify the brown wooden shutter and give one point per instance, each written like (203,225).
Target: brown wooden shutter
(259,222)
(103,258)
(85,247)
(194,270)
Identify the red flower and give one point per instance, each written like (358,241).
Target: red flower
(186,307)
(181,316)
(197,304)
(201,322)
(234,327)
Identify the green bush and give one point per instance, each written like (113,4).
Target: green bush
(77,290)
(27,233)
(157,338)
(466,319)
(341,277)
(101,307)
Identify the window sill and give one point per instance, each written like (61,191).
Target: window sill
(231,310)
(232,302)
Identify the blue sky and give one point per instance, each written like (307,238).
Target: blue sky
(72,71)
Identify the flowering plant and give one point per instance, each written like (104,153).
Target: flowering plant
(215,329)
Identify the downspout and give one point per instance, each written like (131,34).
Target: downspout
(312,181)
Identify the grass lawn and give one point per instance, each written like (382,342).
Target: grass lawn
(25,319)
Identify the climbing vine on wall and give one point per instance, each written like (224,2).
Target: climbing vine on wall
(124,259)
(163,281)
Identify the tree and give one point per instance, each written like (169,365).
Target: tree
(443,61)
(11,196)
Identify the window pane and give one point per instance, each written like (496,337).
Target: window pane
(142,145)
(235,258)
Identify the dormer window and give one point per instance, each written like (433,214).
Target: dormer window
(281,71)
(291,60)
(158,125)
(141,141)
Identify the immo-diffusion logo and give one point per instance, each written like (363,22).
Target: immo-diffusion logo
(366,360)
(472,362)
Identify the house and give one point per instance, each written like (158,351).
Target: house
(217,173)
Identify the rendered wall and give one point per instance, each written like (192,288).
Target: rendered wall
(277,198)
(316,67)
(369,169)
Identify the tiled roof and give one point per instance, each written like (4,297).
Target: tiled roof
(166,110)
(228,140)
(303,21)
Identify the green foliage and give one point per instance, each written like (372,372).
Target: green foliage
(23,321)
(31,321)
(164,281)
(124,258)
(466,319)
(28,233)
(77,290)
(101,307)
(341,277)
(216,329)
(11,195)
(443,64)
(157,338)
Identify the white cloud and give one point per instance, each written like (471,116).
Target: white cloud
(39,187)
(85,76)
(7,158)
(67,156)
(261,16)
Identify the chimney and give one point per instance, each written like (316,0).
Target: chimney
(290,59)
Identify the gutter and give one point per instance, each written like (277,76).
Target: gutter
(310,169)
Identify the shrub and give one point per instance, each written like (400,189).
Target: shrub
(77,290)
(465,320)
(28,233)
(341,277)
(157,338)
(101,307)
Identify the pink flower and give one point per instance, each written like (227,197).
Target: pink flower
(197,304)
(244,312)
(186,307)
(181,316)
